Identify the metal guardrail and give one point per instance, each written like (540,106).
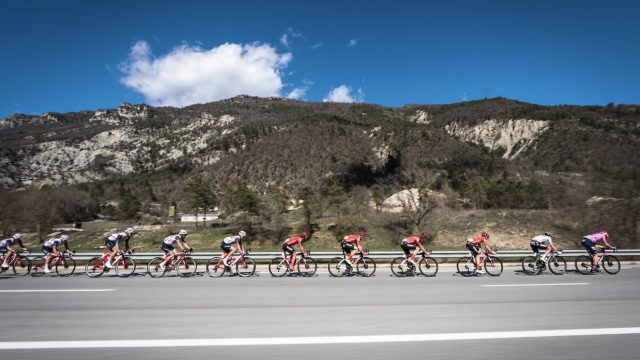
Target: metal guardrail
(326,255)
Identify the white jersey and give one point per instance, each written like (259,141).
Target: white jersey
(53,242)
(231,239)
(6,242)
(542,239)
(170,240)
(117,237)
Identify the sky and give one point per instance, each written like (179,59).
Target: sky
(62,56)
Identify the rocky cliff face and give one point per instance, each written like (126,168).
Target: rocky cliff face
(513,136)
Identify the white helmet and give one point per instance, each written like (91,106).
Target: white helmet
(182,232)
(129,231)
(242,233)
(64,238)
(17,236)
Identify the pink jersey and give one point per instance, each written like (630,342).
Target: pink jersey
(598,237)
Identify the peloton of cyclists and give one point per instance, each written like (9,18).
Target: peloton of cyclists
(288,245)
(351,243)
(5,246)
(590,242)
(168,246)
(475,244)
(410,246)
(230,245)
(543,242)
(52,247)
(113,244)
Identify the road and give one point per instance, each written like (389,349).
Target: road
(381,317)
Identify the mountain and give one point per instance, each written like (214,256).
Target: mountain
(519,155)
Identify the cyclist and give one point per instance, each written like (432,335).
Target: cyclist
(287,247)
(113,244)
(51,247)
(543,242)
(167,246)
(590,242)
(352,242)
(410,246)
(5,246)
(230,245)
(475,244)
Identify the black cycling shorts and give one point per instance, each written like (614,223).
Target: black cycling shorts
(535,246)
(166,247)
(225,247)
(110,244)
(47,250)
(287,249)
(475,249)
(347,247)
(589,245)
(407,248)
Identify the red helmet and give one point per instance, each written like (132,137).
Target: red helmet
(362,233)
(485,235)
(422,235)
(304,234)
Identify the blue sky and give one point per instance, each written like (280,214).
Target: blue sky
(84,55)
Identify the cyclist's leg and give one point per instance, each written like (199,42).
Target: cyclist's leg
(289,255)
(168,253)
(232,250)
(592,250)
(113,247)
(5,260)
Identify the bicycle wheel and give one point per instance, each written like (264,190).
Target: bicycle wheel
(557,265)
(94,267)
(65,267)
(428,266)
(338,267)
(278,267)
(186,267)
(399,267)
(215,267)
(246,268)
(37,266)
(21,266)
(493,266)
(530,265)
(611,264)
(125,267)
(465,266)
(307,266)
(153,267)
(583,264)
(366,266)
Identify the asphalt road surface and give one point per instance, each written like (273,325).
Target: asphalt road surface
(513,316)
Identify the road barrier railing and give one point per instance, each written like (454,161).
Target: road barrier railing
(326,255)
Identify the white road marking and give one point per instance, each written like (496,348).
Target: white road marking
(26,345)
(521,285)
(56,290)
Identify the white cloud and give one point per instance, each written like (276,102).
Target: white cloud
(352,42)
(297,93)
(344,94)
(316,45)
(286,38)
(190,74)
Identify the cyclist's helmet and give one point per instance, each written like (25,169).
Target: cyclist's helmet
(183,232)
(422,235)
(606,235)
(362,233)
(548,234)
(485,235)
(17,236)
(242,234)
(129,231)
(304,235)
(64,238)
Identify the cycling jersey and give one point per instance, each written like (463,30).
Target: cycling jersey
(6,242)
(294,240)
(411,240)
(352,239)
(115,238)
(170,240)
(478,240)
(235,239)
(595,238)
(52,242)
(542,240)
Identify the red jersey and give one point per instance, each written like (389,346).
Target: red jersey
(294,240)
(411,240)
(351,239)
(478,240)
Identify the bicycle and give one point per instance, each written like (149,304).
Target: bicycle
(63,264)
(610,263)
(428,266)
(534,265)
(466,265)
(341,266)
(18,263)
(183,265)
(280,266)
(245,266)
(124,266)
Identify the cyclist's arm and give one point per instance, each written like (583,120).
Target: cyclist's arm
(22,245)
(300,243)
(126,243)
(55,249)
(66,245)
(421,247)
